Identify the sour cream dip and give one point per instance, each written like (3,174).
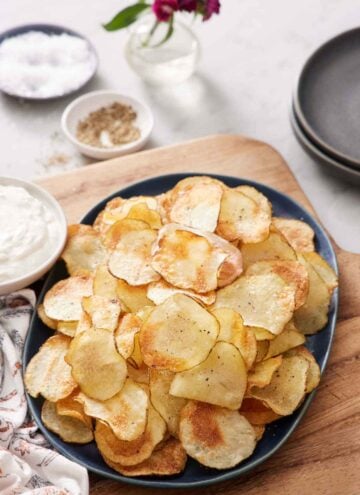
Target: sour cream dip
(28,232)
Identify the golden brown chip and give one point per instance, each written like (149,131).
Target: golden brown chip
(287,388)
(70,406)
(47,373)
(157,292)
(178,334)
(262,349)
(84,323)
(290,337)
(136,451)
(260,333)
(257,413)
(215,436)
(168,460)
(139,374)
(67,327)
(104,284)
(141,211)
(84,250)
(323,269)
(125,413)
(299,234)
(262,300)
(242,218)
(49,322)
(63,300)
(213,381)
(133,298)
(167,405)
(120,229)
(258,197)
(293,272)
(131,259)
(262,373)
(259,431)
(124,334)
(314,373)
(68,428)
(104,312)
(96,365)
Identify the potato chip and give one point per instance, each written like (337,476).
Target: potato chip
(313,315)
(262,373)
(104,312)
(299,234)
(323,269)
(293,272)
(261,350)
(233,331)
(259,431)
(68,428)
(120,229)
(131,259)
(260,333)
(213,380)
(157,292)
(178,334)
(67,327)
(314,373)
(287,388)
(84,323)
(136,451)
(191,259)
(83,251)
(257,413)
(47,373)
(70,406)
(141,211)
(262,300)
(136,358)
(63,300)
(124,334)
(104,284)
(168,460)
(125,412)
(144,312)
(242,218)
(49,322)
(133,298)
(139,374)
(96,366)
(168,406)
(289,338)
(275,247)
(214,436)
(258,197)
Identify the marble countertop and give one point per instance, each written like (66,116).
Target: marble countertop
(252,55)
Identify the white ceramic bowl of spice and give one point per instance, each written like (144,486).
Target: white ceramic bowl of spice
(106,124)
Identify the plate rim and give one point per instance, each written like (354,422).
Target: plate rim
(237,471)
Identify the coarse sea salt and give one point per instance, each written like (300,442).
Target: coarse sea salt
(39,65)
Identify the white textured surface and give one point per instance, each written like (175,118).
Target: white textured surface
(252,54)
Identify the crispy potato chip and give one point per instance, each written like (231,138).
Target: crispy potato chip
(313,315)
(125,412)
(84,323)
(133,298)
(67,327)
(194,202)
(49,322)
(293,272)
(104,312)
(141,211)
(83,251)
(124,334)
(242,218)
(120,229)
(96,366)
(168,460)
(260,333)
(63,300)
(257,413)
(323,269)
(275,247)
(136,451)
(139,374)
(144,312)
(299,234)
(131,260)
(258,197)
(262,373)
(47,373)
(261,350)
(259,431)
(168,406)
(287,388)
(289,338)
(136,358)
(104,284)
(233,331)
(157,292)
(213,380)
(196,260)
(70,406)
(314,373)
(262,300)
(214,436)
(178,334)
(68,428)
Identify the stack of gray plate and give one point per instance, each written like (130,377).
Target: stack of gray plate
(325,114)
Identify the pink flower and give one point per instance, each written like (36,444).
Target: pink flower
(164,9)
(211,7)
(188,5)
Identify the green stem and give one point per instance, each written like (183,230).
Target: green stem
(151,33)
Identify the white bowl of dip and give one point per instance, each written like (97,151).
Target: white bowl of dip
(81,107)
(33,233)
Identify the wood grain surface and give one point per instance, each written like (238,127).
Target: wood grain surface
(323,455)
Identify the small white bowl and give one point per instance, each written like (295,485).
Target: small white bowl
(50,203)
(82,106)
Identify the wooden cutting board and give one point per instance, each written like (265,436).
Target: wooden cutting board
(323,455)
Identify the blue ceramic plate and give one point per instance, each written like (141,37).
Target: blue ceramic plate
(276,433)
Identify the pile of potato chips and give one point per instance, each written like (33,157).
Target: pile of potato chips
(181,328)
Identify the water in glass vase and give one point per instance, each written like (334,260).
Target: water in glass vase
(160,63)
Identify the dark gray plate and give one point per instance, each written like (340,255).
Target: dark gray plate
(335,167)
(276,433)
(327,97)
(48,29)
